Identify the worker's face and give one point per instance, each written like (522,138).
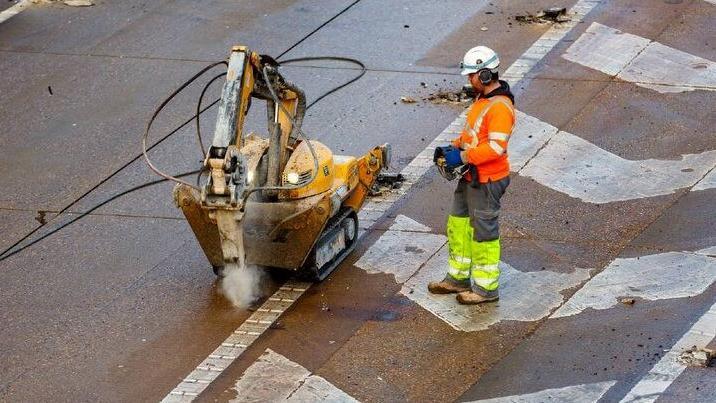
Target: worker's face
(474,80)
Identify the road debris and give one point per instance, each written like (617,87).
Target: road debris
(697,357)
(548,15)
(627,300)
(407,100)
(386,182)
(40,217)
(462,97)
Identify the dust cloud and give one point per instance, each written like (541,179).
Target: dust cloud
(242,285)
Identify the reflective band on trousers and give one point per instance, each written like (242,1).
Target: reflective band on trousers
(486,284)
(458,274)
(485,271)
(459,233)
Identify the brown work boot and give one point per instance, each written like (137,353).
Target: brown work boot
(448,286)
(473,298)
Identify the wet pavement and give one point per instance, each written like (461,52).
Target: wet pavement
(122,305)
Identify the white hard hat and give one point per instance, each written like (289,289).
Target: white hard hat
(478,58)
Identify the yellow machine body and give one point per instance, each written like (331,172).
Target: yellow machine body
(300,203)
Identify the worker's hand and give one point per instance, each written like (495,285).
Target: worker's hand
(452,158)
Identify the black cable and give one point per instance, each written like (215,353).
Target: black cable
(156,113)
(86,213)
(4,255)
(318,28)
(357,62)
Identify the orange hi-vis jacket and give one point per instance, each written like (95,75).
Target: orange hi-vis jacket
(484,139)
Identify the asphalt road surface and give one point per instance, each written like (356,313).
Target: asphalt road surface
(608,227)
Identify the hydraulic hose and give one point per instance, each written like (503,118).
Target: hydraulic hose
(295,123)
(156,113)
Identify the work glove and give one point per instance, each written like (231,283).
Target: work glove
(452,158)
(450,155)
(448,161)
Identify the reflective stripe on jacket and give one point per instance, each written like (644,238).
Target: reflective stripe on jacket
(484,139)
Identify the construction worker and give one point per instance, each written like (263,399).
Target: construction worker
(481,154)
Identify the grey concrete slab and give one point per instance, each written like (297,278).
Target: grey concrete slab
(54,290)
(506,35)
(637,123)
(571,87)
(63,144)
(633,122)
(7,4)
(14,224)
(208,30)
(166,29)
(139,343)
(620,344)
(693,385)
(694,31)
(53,27)
(689,224)
(385,41)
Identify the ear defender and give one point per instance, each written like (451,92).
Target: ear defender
(485,76)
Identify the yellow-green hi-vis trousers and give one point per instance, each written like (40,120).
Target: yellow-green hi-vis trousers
(474,235)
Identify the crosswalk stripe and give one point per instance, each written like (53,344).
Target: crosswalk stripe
(574,166)
(651,277)
(585,393)
(274,377)
(641,61)
(14,10)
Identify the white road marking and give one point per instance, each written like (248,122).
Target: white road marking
(524,296)
(14,10)
(580,169)
(210,369)
(663,374)
(641,61)
(401,250)
(708,182)
(274,377)
(572,165)
(588,392)
(652,277)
